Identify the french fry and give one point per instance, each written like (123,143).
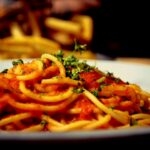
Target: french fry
(12,55)
(63,25)
(15,30)
(34,24)
(16,48)
(35,46)
(62,38)
(26,46)
(86,23)
(8,51)
(39,43)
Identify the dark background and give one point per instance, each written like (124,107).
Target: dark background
(122,28)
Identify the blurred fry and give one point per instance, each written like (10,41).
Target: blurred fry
(63,25)
(15,30)
(86,23)
(29,45)
(38,42)
(63,38)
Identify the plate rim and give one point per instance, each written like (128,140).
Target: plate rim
(75,135)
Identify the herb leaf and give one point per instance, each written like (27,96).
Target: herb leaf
(100,80)
(95,93)
(78,90)
(16,62)
(72,65)
(4,71)
(79,47)
(59,55)
(43,122)
(102,86)
(133,122)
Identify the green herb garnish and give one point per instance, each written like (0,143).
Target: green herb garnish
(95,93)
(16,62)
(102,86)
(73,67)
(133,122)
(78,90)
(79,47)
(43,122)
(59,55)
(75,74)
(4,71)
(112,107)
(100,80)
(110,74)
(70,61)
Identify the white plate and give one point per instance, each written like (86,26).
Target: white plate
(133,73)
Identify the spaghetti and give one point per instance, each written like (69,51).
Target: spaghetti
(57,94)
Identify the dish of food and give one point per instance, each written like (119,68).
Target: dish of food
(55,94)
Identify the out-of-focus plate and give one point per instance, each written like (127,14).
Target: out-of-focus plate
(133,73)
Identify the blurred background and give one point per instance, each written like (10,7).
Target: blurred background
(112,29)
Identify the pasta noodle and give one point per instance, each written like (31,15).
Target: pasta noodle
(56,94)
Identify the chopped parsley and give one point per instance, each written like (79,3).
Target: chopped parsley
(110,74)
(102,86)
(72,65)
(78,90)
(79,47)
(43,122)
(117,80)
(75,74)
(16,62)
(112,107)
(4,71)
(59,55)
(70,61)
(100,80)
(133,122)
(95,93)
